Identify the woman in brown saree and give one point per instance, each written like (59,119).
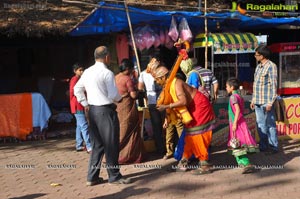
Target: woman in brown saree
(131,144)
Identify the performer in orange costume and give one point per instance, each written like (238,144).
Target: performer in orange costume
(199,129)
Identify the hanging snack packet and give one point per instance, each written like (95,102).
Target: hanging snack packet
(185,31)
(173,32)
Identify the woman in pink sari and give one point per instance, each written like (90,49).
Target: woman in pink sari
(131,144)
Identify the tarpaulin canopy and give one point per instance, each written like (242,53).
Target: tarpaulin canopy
(108,18)
(228,43)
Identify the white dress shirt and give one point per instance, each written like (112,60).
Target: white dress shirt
(99,84)
(148,81)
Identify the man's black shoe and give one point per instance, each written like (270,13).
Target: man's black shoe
(92,183)
(122,181)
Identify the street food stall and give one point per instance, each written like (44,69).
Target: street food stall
(231,55)
(235,50)
(287,56)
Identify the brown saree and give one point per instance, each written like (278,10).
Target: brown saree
(131,143)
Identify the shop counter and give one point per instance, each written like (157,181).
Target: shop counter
(22,112)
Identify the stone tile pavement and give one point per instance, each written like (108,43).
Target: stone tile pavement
(28,169)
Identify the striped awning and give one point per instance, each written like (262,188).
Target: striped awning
(228,43)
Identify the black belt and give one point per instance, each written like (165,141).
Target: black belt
(112,106)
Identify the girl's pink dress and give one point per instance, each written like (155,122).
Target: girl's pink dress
(243,134)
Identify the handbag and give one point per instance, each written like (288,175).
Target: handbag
(234,143)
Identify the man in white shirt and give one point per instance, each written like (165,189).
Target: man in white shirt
(146,83)
(98,82)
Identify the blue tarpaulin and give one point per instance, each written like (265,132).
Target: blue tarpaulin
(108,18)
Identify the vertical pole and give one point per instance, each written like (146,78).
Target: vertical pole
(205,28)
(199,8)
(199,4)
(212,60)
(236,66)
(138,64)
(280,70)
(132,37)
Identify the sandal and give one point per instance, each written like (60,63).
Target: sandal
(248,169)
(202,170)
(181,169)
(182,165)
(167,156)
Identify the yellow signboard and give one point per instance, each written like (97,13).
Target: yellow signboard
(290,128)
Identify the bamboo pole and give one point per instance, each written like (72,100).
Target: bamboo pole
(134,48)
(132,37)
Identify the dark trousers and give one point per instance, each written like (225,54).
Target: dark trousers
(104,136)
(157,127)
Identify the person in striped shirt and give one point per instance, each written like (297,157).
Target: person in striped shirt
(200,78)
(264,95)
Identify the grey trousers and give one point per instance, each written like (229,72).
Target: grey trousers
(104,135)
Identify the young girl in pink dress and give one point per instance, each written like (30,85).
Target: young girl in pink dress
(238,128)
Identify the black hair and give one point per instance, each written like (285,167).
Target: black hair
(264,51)
(76,66)
(232,81)
(126,64)
(156,56)
(181,76)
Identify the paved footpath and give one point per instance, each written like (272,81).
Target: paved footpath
(28,169)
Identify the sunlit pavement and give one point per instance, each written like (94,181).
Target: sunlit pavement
(53,169)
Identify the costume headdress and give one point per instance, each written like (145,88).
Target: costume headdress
(153,64)
(159,72)
(186,65)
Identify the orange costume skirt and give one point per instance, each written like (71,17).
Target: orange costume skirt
(199,131)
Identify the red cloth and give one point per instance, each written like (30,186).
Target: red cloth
(16,115)
(74,104)
(201,111)
(122,47)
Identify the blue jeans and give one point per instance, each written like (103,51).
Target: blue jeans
(266,127)
(82,133)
